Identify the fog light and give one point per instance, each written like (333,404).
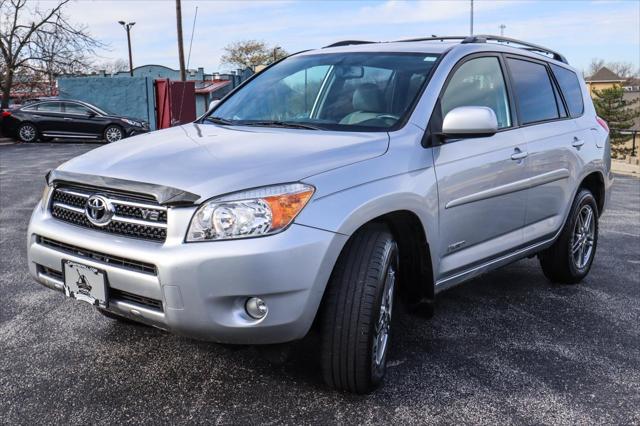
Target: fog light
(256,308)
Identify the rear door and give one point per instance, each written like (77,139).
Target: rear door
(481,181)
(48,117)
(553,141)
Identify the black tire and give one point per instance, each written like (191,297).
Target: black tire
(351,311)
(28,132)
(560,262)
(113,129)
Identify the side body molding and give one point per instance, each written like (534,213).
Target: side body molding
(510,187)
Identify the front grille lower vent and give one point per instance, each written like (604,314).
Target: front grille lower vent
(133,217)
(115,293)
(120,262)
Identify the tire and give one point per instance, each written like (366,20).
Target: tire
(28,132)
(569,259)
(113,133)
(358,303)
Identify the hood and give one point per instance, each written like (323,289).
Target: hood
(210,160)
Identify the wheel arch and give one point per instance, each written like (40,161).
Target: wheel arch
(594,182)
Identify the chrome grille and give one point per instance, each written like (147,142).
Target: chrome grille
(121,262)
(136,217)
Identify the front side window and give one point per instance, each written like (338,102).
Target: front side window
(334,91)
(570,86)
(478,82)
(533,90)
(71,108)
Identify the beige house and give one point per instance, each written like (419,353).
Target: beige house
(603,79)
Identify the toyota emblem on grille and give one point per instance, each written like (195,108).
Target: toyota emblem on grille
(98,210)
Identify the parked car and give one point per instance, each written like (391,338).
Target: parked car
(68,119)
(330,187)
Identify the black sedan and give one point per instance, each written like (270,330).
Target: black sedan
(68,119)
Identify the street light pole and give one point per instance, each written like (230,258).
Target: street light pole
(502,27)
(127,28)
(183,73)
(471,23)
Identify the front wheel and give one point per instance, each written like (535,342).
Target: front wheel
(569,259)
(357,311)
(28,132)
(113,133)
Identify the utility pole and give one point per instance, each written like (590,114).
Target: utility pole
(127,28)
(502,27)
(183,72)
(275,53)
(471,23)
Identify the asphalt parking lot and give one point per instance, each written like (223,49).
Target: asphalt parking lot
(505,348)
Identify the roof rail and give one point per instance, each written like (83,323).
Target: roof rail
(349,43)
(528,46)
(484,38)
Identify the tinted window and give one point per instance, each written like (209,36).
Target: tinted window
(49,107)
(478,82)
(71,108)
(533,90)
(570,86)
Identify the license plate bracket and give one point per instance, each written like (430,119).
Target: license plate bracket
(85,283)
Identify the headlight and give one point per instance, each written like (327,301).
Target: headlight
(252,213)
(131,122)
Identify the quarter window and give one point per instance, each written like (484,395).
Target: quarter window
(478,82)
(534,91)
(570,86)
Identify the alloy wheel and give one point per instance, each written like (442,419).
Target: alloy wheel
(383,326)
(113,134)
(27,133)
(583,237)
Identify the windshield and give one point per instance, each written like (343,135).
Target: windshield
(337,91)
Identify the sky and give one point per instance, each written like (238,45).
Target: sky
(581,30)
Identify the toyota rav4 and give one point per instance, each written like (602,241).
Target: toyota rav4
(330,187)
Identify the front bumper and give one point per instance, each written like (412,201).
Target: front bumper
(202,286)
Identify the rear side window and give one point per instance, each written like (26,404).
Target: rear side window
(48,107)
(570,86)
(534,91)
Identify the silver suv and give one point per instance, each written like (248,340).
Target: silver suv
(330,187)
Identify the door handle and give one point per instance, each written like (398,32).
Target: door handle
(519,155)
(577,143)
(68,118)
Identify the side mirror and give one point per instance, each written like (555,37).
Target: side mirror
(91,114)
(469,122)
(213,103)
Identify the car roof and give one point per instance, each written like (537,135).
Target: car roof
(440,45)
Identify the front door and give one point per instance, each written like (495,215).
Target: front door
(481,181)
(80,121)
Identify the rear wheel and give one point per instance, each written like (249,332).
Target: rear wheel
(569,259)
(113,133)
(357,311)
(28,132)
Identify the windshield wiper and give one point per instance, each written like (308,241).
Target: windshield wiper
(277,123)
(219,120)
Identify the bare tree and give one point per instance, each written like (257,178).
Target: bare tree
(111,67)
(251,53)
(36,41)
(622,69)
